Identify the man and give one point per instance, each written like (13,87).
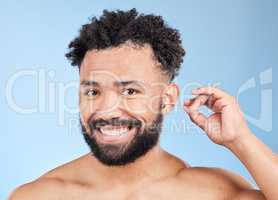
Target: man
(127,63)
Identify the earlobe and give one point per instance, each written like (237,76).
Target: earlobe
(167,105)
(166,108)
(171,95)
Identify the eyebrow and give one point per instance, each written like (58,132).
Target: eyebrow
(117,83)
(89,83)
(125,83)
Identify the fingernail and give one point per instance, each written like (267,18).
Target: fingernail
(187,102)
(196,89)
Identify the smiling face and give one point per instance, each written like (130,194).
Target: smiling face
(122,93)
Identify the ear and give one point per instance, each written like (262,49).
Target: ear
(170,97)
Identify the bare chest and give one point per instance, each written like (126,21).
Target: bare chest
(164,191)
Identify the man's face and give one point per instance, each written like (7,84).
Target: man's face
(120,100)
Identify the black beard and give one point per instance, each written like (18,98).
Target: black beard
(122,154)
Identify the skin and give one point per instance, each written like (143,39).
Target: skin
(158,174)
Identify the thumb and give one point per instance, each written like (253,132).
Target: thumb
(198,118)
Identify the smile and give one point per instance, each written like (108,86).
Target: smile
(114,130)
(115,134)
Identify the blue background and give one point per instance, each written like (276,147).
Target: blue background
(227,42)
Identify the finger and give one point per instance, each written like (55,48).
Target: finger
(199,119)
(187,102)
(195,103)
(206,100)
(220,104)
(210,102)
(216,92)
(215,105)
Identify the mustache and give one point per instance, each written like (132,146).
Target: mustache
(96,124)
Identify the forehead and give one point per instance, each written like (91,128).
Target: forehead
(124,63)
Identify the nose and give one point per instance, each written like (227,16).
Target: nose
(110,105)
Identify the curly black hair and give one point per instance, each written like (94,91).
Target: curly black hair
(114,28)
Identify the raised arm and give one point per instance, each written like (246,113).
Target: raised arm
(228,127)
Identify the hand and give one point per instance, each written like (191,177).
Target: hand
(227,124)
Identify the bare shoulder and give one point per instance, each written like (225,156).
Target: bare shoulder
(40,189)
(221,182)
(215,174)
(68,169)
(51,184)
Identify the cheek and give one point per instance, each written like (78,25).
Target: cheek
(155,104)
(86,108)
(135,106)
(143,105)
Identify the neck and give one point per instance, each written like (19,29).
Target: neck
(152,165)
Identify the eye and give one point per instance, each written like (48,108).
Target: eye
(92,92)
(130,91)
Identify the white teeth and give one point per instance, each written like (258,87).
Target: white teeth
(113,131)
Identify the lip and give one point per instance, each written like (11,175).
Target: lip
(108,139)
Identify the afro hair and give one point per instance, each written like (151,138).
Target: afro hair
(114,28)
